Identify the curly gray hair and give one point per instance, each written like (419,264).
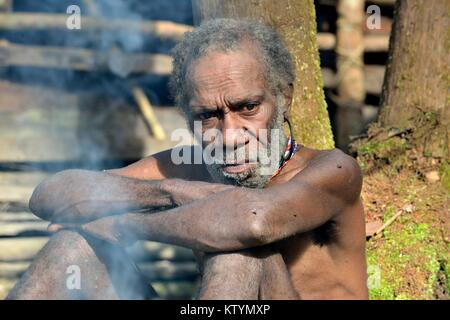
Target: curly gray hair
(226,35)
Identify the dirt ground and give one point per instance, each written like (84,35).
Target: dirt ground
(409,259)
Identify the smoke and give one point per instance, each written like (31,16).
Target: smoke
(83,112)
(87,119)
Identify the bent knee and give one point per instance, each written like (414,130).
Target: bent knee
(69,244)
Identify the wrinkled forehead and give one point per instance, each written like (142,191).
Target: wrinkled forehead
(226,75)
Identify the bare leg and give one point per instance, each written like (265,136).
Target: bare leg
(231,276)
(105,270)
(253,274)
(276,281)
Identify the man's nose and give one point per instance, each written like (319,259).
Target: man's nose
(233,133)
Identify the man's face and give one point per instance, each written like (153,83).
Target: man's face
(238,112)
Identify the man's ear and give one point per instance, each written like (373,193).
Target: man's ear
(288,92)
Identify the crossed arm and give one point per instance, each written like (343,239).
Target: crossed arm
(202,216)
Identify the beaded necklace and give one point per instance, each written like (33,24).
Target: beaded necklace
(291,148)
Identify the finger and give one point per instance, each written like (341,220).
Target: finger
(54,227)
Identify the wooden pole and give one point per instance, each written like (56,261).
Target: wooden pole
(350,49)
(148,114)
(350,69)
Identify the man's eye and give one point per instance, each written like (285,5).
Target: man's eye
(206,115)
(250,106)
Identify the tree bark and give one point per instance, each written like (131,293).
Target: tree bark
(416,90)
(295,20)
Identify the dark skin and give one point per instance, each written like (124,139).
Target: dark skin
(306,227)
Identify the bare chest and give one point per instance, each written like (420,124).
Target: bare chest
(321,269)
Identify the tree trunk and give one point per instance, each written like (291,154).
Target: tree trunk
(295,20)
(399,181)
(416,92)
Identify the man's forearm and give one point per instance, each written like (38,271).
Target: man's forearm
(81,195)
(220,222)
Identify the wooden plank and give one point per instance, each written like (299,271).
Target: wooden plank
(326,41)
(371,43)
(124,64)
(15,191)
(44,21)
(166,290)
(21,228)
(7,217)
(44,124)
(168,270)
(373,78)
(21,178)
(162,29)
(116,61)
(150,251)
(20,249)
(375,43)
(155,271)
(5,286)
(175,289)
(23,249)
(13,270)
(12,193)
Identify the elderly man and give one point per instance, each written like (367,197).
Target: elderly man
(291,227)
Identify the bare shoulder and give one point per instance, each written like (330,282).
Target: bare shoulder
(334,172)
(178,162)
